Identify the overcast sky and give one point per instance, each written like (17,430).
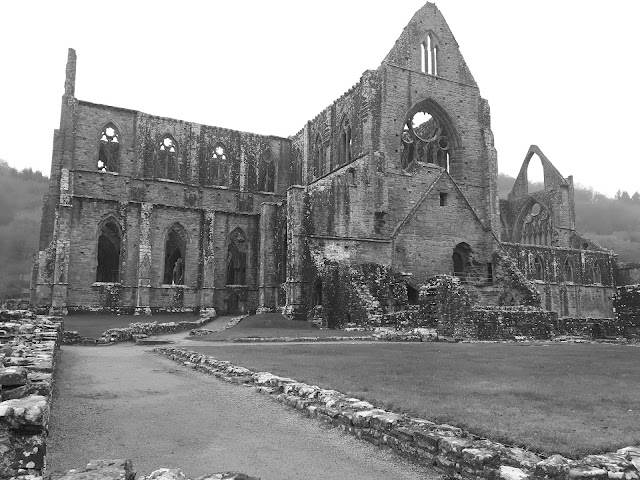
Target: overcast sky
(561,74)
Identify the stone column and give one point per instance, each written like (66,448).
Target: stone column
(143,296)
(208,265)
(296,306)
(267,258)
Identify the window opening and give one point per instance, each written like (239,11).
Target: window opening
(109,243)
(174,257)
(219,165)
(461,260)
(412,295)
(167,158)
(237,259)
(597,274)
(318,292)
(423,52)
(266,173)
(538,269)
(568,271)
(351,177)
(443,199)
(424,140)
(318,157)
(344,152)
(108,155)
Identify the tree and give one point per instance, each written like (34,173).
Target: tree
(636,198)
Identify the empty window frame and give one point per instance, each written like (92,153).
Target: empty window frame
(344,147)
(237,258)
(109,150)
(429,51)
(443,199)
(109,245)
(167,162)
(175,247)
(266,172)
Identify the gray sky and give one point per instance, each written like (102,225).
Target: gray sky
(560,74)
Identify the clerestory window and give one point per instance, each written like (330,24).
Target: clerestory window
(344,149)
(167,164)
(266,173)
(108,154)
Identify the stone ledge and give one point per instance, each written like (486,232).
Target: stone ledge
(452,449)
(28,348)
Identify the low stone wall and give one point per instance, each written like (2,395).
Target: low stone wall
(28,347)
(136,331)
(596,328)
(626,305)
(123,470)
(454,450)
(505,323)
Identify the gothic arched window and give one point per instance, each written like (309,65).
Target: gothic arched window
(318,157)
(175,248)
(538,269)
(109,245)
(109,151)
(266,173)
(237,258)
(568,271)
(344,147)
(429,55)
(167,165)
(424,140)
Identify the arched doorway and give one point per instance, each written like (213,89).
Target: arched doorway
(461,257)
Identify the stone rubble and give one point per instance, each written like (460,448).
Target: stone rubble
(119,469)
(28,347)
(457,452)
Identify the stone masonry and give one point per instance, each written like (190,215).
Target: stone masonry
(148,214)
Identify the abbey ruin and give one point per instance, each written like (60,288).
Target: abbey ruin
(398,177)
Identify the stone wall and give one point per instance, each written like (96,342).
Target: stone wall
(506,323)
(628,273)
(457,452)
(626,304)
(28,347)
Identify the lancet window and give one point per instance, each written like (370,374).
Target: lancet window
(109,151)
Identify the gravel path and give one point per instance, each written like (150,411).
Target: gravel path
(124,402)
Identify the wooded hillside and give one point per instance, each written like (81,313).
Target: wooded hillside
(20,211)
(614,223)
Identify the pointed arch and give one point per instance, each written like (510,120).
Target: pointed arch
(237,258)
(429,136)
(175,250)
(167,158)
(109,149)
(218,168)
(429,53)
(266,172)
(538,268)
(318,157)
(534,224)
(345,143)
(568,271)
(109,248)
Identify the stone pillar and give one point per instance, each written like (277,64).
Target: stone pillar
(296,306)
(208,265)
(62,244)
(267,258)
(143,296)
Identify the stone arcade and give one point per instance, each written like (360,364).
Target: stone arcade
(146,213)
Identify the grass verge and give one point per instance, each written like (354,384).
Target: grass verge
(572,399)
(272,325)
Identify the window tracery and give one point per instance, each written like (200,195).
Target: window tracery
(536,226)
(108,154)
(216,167)
(167,165)
(429,55)
(424,140)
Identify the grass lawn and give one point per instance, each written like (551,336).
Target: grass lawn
(274,325)
(572,399)
(93,325)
